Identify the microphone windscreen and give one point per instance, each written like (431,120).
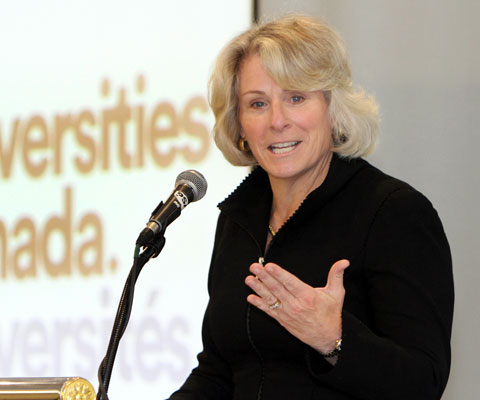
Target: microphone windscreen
(195,180)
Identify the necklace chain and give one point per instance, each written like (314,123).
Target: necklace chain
(272,231)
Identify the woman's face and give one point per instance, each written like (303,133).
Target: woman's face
(288,131)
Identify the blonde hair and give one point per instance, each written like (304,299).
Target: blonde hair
(299,53)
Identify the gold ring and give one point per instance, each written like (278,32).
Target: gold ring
(275,305)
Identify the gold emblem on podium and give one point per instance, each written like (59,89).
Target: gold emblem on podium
(77,389)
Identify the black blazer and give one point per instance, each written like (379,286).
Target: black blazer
(398,307)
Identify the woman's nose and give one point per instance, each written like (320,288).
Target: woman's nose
(279,119)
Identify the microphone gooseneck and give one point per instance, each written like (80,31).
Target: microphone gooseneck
(190,186)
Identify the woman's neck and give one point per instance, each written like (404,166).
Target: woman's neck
(288,194)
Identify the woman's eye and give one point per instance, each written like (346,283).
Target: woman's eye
(297,99)
(258,104)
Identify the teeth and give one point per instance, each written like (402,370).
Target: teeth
(283,147)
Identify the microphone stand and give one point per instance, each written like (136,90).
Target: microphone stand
(152,250)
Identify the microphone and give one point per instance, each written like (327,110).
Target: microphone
(190,186)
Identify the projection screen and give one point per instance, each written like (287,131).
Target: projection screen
(103,104)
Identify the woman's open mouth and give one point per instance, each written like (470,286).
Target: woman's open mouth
(285,147)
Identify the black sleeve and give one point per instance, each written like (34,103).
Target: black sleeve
(212,378)
(405,352)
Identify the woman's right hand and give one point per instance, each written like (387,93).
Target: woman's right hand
(313,315)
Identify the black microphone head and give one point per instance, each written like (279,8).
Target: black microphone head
(195,180)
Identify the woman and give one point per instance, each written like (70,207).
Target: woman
(329,279)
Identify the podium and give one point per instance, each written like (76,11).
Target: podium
(73,388)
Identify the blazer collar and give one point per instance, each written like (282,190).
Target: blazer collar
(250,203)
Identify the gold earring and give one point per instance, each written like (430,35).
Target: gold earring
(243,145)
(339,137)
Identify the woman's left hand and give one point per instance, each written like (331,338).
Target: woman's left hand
(313,315)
